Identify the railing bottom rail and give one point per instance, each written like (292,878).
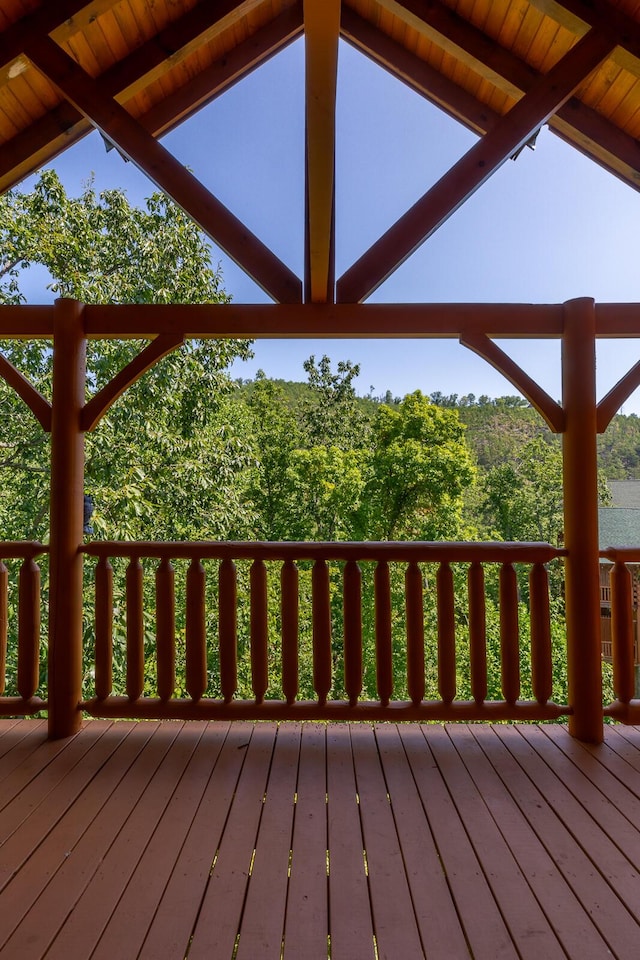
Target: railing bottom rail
(209,709)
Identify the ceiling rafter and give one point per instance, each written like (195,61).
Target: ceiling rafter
(65,125)
(322,32)
(416,73)
(55,18)
(581,15)
(476,166)
(164,170)
(574,122)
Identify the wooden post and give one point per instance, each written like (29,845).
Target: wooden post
(581,521)
(67,493)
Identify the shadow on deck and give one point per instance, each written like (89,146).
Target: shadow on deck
(171,840)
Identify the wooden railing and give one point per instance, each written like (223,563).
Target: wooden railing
(20,609)
(216,630)
(624,642)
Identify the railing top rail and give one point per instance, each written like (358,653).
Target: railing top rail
(427,552)
(21,549)
(622,554)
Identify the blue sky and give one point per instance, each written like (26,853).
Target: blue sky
(547,227)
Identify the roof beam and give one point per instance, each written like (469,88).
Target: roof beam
(476,166)
(65,125)
(223,73)
(395,321)
(580,15)
(54,18)
(322,32)
(574,122)
(416,73)
(164,170)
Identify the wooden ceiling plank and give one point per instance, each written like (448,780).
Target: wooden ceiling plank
(417,74)
(223,73)
(164,170)
(48,18)
(322,32)
(65,125)
(579,125)
(581,15)
(464,178)
(468,45)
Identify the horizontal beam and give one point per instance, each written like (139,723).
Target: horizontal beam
(390,321)
(330,321)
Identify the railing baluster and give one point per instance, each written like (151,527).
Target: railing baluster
(415,633)
(289,604)
(384,657)
(321,607)
(446,634)
(228,629)
(259,630)
(165,629)
(352,619)
(509,633)
(4,623)
(28,629)
(622,633)
(104,628)
(477,632)
(541,665)
(195,633)
(135,630)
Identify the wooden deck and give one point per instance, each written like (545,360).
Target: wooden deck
(170,840)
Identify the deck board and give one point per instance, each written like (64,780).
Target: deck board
(245,841)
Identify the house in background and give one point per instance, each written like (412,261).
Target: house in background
(619,525)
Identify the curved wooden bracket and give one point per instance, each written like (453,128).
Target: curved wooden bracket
(609,405)
(96,408)
(548,409)
(40,408)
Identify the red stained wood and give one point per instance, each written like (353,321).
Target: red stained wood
(541,665)
(259,630)
(165,629)
(622,633)
(135,630)
(228,629)
(29,629)
(352,620)
(195,631)
(262,927)
(321,606)
(166,840)
(4,623)
(477,632)
(395,925)
(289,614)
(384,661)
(446,634)
(509,634)
(307,920)
(415,633)
(103,625)
(351,924)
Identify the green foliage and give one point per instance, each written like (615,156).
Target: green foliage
(420,465)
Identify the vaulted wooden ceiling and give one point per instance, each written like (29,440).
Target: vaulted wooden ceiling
(135,68)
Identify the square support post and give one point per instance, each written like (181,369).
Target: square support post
(584,663)
(66,520)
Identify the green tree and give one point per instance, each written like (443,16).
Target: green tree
(166,459)
(419,467)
